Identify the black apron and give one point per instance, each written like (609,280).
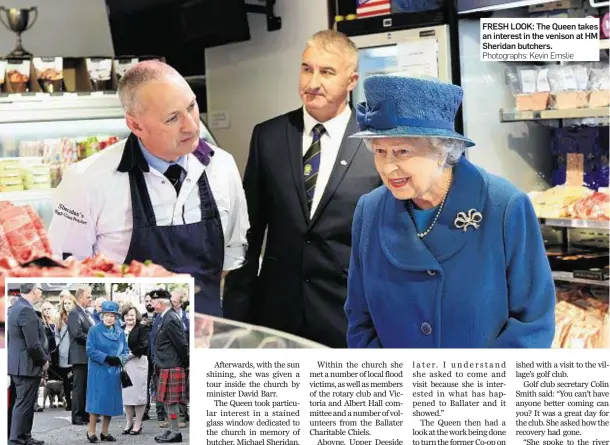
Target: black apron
(196,249)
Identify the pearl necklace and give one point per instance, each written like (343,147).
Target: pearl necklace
(438,212)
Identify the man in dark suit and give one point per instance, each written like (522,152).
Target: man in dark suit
(79,322)
(28,358)
(148,318)
(171,362)
(302,181)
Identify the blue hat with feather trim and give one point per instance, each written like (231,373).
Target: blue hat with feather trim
(400,106)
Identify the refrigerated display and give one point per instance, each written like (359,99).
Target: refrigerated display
(43,134)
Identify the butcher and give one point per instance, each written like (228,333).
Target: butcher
(163,194)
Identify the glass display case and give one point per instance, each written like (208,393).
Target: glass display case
(42,134)
(219,333)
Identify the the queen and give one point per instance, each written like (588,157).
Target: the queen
(444,255)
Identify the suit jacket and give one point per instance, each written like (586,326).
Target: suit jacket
(186,323)
(486,287)
(171,348)
(27,341)
(78,328)
(302,285)
(138,340)
(96,317)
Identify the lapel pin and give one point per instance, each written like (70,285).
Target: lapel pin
(463,220)
(343,162)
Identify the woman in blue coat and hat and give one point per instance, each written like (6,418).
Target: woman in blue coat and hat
(107,351)
(444,254)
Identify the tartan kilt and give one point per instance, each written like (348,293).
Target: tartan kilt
(172,386)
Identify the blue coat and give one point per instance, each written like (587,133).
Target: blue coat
(104,392)
(486,288)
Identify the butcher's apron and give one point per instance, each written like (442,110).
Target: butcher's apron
(196,249)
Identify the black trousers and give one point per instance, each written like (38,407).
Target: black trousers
(79,393)
(12,396)
(63,373)
(26,393)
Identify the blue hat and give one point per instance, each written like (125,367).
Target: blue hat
(110,307)
(400,106)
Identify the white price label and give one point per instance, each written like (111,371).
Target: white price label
(528,81)
(219,119)
(543,81)
(569,80)
(582,78)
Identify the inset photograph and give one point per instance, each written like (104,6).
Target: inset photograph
(98,361)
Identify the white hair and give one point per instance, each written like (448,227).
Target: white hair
(448,149)
(165,301)
(336,42)
(451,149)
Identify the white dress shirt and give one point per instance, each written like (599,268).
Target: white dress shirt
(92,205)
(330,144)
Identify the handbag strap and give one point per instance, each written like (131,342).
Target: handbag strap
(61,338)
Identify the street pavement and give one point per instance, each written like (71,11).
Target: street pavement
(53,425)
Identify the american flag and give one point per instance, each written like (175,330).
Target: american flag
(370,8)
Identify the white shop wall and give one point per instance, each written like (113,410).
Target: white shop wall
(515,151)
(67,28)
(258,79)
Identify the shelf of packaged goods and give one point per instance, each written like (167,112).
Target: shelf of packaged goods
(577,113)
(27,196)
(16,108)
(604,44)
(38,96)
(576,223)
(569,277)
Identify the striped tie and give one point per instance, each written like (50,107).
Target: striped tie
(311,163)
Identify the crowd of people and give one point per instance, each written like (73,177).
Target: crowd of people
(78,350)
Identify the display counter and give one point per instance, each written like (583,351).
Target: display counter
(219,333)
